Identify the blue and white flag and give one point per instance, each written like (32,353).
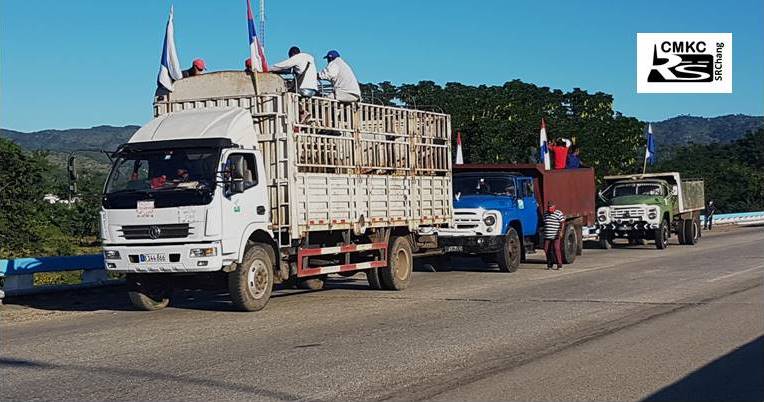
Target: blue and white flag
(169,67)
(650,155)
(544,147)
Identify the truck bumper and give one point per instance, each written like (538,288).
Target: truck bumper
(471,244)
(627,226)
(163,258)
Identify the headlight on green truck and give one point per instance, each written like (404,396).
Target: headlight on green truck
(652,213)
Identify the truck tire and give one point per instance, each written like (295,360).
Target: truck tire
(662,234)
(251,283)
(681,231)
(147,295)
(316,283)
(400,264)
(580,238)
(691,231)
(510,255)
(606,242)
(372,276)
(569,244)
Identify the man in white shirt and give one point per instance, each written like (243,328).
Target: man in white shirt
(304,70)
(345,84)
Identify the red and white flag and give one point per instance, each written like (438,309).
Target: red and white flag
(459,156)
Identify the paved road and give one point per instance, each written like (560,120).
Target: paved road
(626,324)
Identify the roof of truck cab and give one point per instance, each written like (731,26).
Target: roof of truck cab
(233,123)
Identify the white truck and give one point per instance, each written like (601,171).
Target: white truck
(238,182)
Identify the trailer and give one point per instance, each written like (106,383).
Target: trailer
(278,188)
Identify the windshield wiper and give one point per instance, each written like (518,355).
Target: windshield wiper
(128,190)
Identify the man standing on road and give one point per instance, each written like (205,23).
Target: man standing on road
(346,88)
(304,68)
(554,222)
(710,211)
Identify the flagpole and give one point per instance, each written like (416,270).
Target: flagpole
(644,165)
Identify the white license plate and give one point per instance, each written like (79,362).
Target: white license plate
(453,249)
(153,258)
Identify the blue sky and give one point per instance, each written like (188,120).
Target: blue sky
(66,64)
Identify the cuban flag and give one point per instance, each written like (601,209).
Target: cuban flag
(650,156)
(459,157)
(169,67)
(544,147)
(256,50)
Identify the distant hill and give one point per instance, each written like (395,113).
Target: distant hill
(101,137)
(682,130)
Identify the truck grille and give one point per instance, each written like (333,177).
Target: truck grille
(628,213)
(143,232)
(466,219)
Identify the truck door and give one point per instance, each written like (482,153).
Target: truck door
(526,206)
(245,200)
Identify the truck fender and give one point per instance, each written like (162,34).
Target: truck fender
(248,233)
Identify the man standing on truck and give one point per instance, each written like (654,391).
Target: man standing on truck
(710,211)
(559,151)
(346,88)
(304,68)
(554,222)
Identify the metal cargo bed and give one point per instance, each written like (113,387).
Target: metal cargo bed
(334,165)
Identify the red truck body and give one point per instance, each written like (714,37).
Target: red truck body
(572,190)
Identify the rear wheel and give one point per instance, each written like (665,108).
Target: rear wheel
(681,231)
(147,294)
(510,255)
(400,264)
(662,234)
(372,276)
(691,231)
(569,244)
(251,283)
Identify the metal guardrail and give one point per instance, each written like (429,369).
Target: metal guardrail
(18,274)
(741,218)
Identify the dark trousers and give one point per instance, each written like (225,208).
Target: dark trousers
(709,222)
(553,255)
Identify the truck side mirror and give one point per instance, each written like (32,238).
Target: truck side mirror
(234,174)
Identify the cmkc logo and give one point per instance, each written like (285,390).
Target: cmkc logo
(684,63)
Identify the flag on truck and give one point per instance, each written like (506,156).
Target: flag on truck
(169,67)
(459,157)
(650,156)
(257,55)
(544,147)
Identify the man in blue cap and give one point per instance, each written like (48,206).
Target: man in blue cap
(343,80)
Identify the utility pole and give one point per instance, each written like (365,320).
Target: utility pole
(262,24)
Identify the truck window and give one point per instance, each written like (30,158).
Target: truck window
(250,170)
(163,170)
(477,185)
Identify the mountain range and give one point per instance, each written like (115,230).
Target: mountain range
(676,131)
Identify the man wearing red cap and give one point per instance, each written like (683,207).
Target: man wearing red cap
(197,68)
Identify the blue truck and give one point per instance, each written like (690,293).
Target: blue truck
(498,211)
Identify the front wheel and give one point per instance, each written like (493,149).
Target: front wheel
(250,285)
(400,265)
(662,234)
(147,294)
(510,255)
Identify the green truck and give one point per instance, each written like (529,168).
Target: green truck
(650,207)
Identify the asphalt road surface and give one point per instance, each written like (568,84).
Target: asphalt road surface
(630,323)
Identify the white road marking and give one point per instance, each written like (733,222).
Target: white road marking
(718,278)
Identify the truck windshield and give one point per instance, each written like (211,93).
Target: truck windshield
(163,170)
(637,189)
(477,185)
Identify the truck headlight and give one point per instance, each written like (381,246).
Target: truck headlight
(652,214)
(489,220)
(602,218)
(203,252)
(111,254)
